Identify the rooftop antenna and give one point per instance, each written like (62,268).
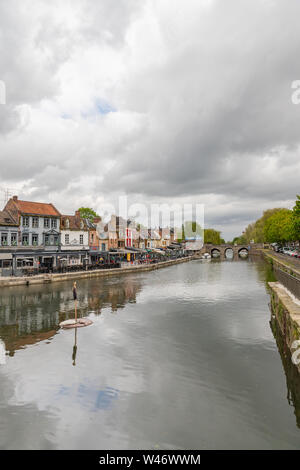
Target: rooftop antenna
(8,193)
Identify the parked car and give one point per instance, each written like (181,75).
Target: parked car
(285,250)
(293,253)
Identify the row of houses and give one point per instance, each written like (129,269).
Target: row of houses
(37,235)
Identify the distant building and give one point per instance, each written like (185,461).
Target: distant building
(9,228)
(39,223)
(154,239)
(193,244)
(143,238)
(165,237)
(74,239)
(38,236)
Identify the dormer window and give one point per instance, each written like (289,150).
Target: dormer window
(67,223)
(81,225)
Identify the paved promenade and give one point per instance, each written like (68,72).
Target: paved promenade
(48,278)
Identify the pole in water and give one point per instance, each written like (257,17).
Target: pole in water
(75,299)
(75,323)
(74,349)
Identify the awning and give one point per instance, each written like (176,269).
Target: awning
(5,256)
(159,251)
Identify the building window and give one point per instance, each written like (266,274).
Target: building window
(67,239)
(53,223)
(46,223)
(46,239)
(25,239)
(6,263)
(13,239)
(35,222)
(4,239)
(28,262)
(81,239)
(25,221)
(24,262)
(35,239)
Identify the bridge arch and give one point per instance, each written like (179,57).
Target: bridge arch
(229,252)
(215,253)
(243,249)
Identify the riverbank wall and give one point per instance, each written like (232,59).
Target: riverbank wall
(285,308)
(285,264)
(48,278)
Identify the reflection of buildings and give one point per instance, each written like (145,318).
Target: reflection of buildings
(30,315)
(14,341)
(113,295)
(291,372)
(25,318)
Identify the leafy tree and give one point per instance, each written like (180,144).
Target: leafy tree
(255,230)
(296,218)
(279,227)
(212,236)
(87,213)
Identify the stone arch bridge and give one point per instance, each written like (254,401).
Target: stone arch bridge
(236,249)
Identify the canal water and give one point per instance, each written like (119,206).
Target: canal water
(179,358)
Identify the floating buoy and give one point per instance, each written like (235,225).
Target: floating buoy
(72,323)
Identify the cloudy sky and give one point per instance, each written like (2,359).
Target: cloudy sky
(162,100)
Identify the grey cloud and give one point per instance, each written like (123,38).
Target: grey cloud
(202,98)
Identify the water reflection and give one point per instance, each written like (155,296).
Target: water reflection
(31,315)
(291,372)
(181,357)
(74,348)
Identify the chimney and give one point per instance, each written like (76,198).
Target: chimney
(15,198)
(77,214)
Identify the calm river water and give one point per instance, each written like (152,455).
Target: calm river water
(179,358)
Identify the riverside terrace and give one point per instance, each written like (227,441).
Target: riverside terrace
(108,260)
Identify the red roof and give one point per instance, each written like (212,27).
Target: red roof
(36,208)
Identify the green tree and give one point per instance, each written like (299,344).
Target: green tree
(212,236)
(256,230)
(279,227)
(87,213)
(296,218)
